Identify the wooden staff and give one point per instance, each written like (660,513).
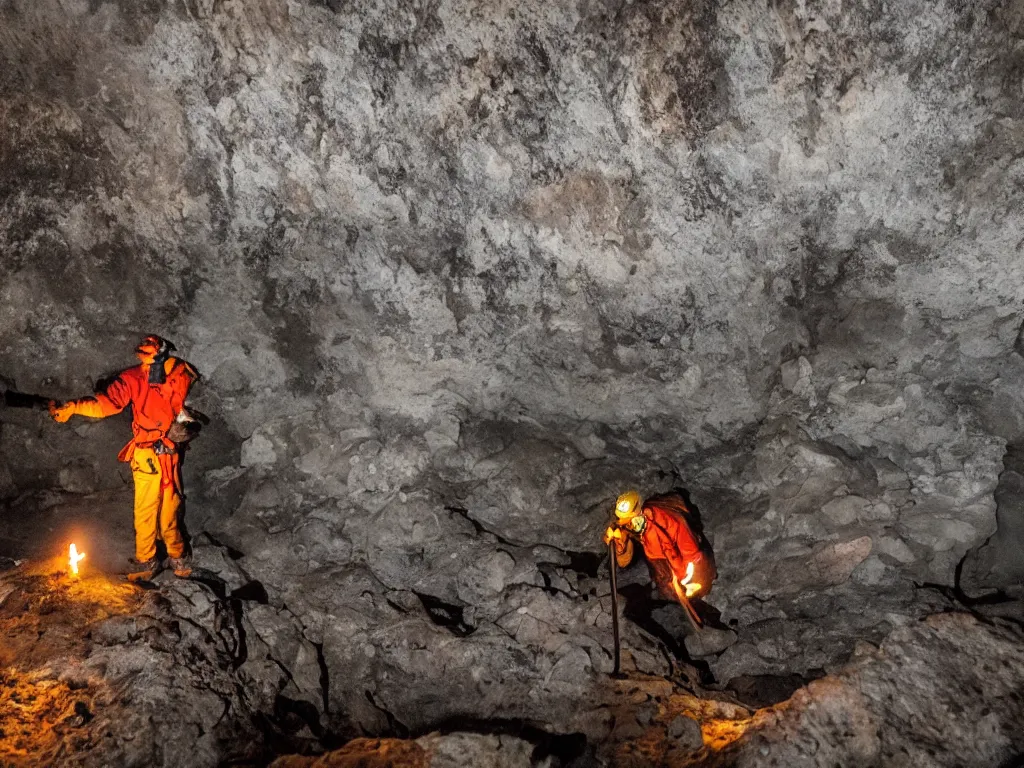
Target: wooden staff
(612,567)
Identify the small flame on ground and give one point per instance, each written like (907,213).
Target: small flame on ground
(74,558)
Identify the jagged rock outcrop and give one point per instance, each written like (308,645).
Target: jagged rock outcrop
(942,692)
(101,673)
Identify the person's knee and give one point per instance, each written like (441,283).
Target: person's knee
(170,505)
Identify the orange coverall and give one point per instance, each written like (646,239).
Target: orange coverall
(668,541)
(154,459)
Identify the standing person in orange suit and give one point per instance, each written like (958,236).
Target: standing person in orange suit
(680,558)
(156,391)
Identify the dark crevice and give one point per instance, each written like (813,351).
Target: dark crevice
(293,714)
(758,691)
(396,727)
(585,563)
(395,605)
(549,587)
(234,604)
(954,592)
(547,582)
(638,607)
(254,592)
(295,726)
(447,615)
(233,553)
(564,748)
(13,399)
(325,677)
(211,581)
(958,600)
(242,652)
(281,736)
(480,529)
(995,557)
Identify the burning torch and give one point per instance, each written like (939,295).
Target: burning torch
(685,589)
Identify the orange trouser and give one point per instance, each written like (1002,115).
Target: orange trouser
(156,507)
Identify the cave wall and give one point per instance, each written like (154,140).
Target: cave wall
(463,270)
(620,217)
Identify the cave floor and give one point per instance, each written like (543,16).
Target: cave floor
(97,671)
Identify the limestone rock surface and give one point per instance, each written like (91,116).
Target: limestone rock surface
(900,705)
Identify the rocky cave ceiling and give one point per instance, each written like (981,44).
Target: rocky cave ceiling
(456,274)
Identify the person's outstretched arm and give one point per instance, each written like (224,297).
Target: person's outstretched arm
(114,400)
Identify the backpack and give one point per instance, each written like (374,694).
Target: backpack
(674,503)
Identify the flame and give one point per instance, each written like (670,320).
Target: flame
(687,585)
(74,558)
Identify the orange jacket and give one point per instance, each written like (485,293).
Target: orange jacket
(668,537)
(154,406)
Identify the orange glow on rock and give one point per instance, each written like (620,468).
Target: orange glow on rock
(718,734)
(74,558)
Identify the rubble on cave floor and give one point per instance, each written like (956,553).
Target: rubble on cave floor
(46,696)
(510,667)
(945,691)
(96,671)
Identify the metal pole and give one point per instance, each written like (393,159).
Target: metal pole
(691,613)
(612,567)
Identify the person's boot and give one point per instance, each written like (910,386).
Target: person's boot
(182,566)
(143,571)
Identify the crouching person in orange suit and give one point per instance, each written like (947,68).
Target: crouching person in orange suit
(156,391)
(680,559)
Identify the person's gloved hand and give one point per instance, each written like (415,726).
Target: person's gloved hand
(613,532)
(61,413)
(685,588)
